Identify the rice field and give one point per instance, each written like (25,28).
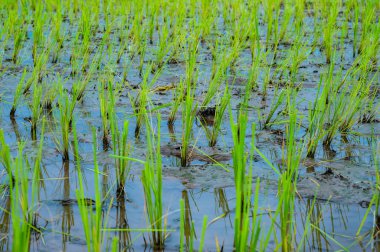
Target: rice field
(196,125)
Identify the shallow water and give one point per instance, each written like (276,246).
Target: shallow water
(341,177)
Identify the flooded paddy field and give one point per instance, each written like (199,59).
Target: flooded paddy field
(189,125)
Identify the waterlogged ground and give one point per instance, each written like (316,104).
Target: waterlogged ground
(341,177)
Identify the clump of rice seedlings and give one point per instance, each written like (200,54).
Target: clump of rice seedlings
(36,109)
(217,79)
(38,71)
(206,19)
(38,37)
(121,52)
(243,179)
(287,183)
(177,44)
(270,9)
(164,46)
(50,94)
(317,115)
(358,96)
(218,118)
(191,60)
(84,29)
(91,216)
(107,104)
(369,24)
(151,179)
(253,70)
(56,34)
(331,12)
(189,110)
(369,114)
(4,36)
(19,30)
(141,102)
(23,196)
(179,94)
(267,74)
(66,106)
(120,147)
(17,95)
(5,156)
(142,52)
(21,213)
(354,6)
(289,12)
(288,179)
(296,55)
(236,47)
(344,109)
(276,103)
(80,85)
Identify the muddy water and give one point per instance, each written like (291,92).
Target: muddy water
(341,177)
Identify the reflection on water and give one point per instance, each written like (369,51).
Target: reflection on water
(328,220)
(67,211)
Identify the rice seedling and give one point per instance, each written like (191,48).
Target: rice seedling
(331,11)
(369,115)
(38,71)
(23,196)
(243,180)
(38,38)
(358,96)
(287,182)
(66,112)
(36,109)
(276,103)
(289,11)
(191,59)
(142,52)
(317,113)
(164,46)
(51,92)
(120,147)
(343,111)
(19,31)
(142,101)
(151,179)
(368,17)
(270,9)
(4,36)
(6,158)
(57,35)
(17,95)
(179,93)
(21,213)
(218,118)
(217,79)
(107,104)
(188,115)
